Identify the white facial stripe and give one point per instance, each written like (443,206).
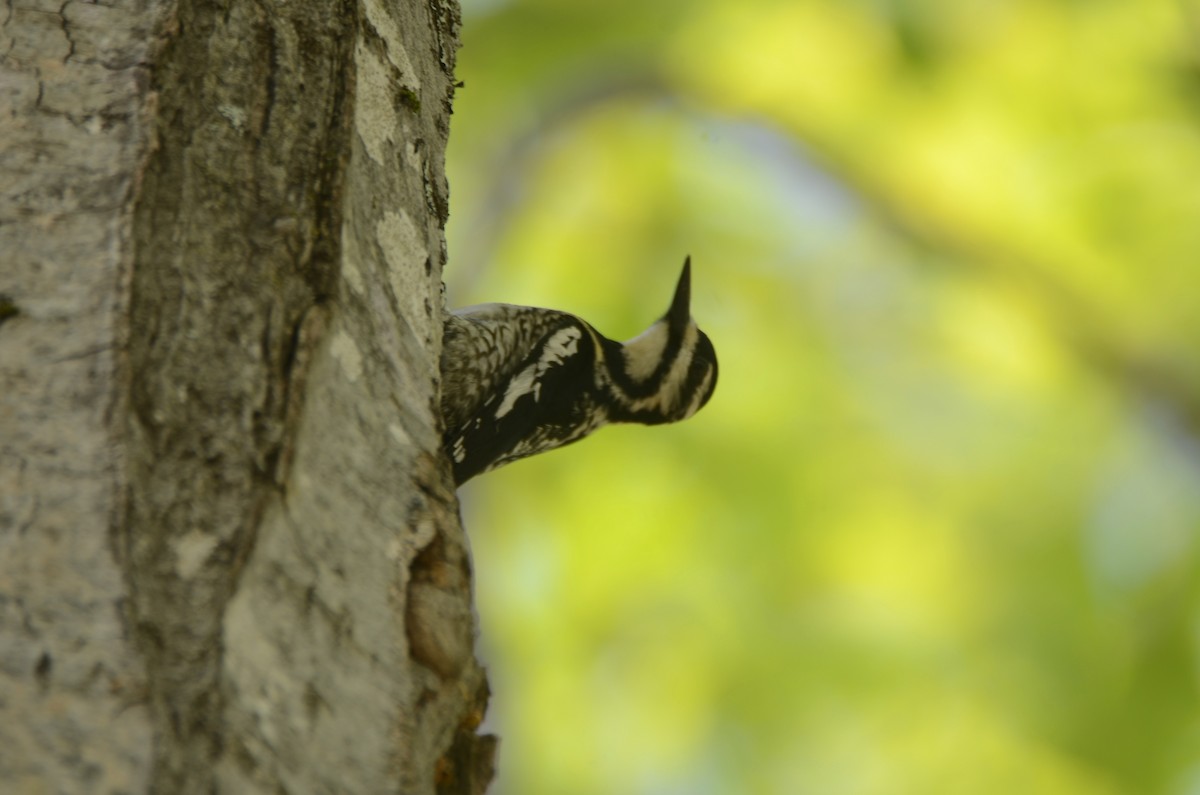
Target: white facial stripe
(701,391)
(562,343)
(643,352)
(675,377)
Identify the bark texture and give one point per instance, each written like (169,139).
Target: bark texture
(72,129)
(233,560)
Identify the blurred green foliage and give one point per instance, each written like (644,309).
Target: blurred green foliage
(937,530)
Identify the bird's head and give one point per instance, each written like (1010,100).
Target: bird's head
(669,371)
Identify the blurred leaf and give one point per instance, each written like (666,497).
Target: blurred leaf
(936,532)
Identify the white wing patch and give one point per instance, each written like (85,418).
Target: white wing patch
(562,343)
(459,449)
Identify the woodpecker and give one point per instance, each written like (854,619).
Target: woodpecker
(518,380)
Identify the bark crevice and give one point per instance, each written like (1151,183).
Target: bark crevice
(235,246)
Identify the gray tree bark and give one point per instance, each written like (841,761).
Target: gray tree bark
(230,551)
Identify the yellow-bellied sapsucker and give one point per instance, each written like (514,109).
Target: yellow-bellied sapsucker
(517,380)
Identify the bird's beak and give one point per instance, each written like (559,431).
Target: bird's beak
(680,312)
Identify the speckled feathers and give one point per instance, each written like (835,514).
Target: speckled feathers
(517,380)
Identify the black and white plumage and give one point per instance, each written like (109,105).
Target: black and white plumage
(517,380)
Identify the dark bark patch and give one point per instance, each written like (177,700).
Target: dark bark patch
(8,309)
(42,670)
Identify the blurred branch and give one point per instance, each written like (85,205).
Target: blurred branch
(1078,324)
(505,192)
(1150,374)
(1191,20)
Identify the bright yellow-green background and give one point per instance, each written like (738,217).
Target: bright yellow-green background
(937,530)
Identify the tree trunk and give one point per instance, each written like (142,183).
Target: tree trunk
(231,553)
